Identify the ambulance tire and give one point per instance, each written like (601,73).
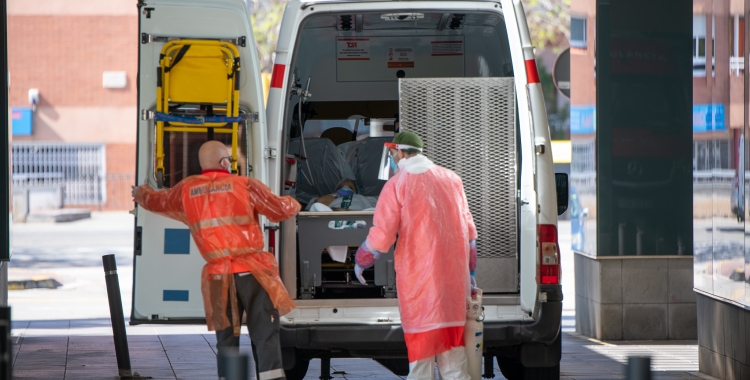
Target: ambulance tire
(399,367)
(538,373)
(512,369)
(299,370)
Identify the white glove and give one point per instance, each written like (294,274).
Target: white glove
(132,190)
(358,272)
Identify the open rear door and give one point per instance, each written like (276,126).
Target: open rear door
(167,263)
(469,126)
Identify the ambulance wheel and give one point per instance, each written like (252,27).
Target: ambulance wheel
(538,373)
(512,369)
(299,370)
(160,179)
(399,367)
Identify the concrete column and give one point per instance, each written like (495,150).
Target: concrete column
(635,298)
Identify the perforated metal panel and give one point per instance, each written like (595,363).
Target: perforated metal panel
(469,126)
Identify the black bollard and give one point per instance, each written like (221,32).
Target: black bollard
(325,369)
(6,346)
(233,365)
(117,316)
(639,368)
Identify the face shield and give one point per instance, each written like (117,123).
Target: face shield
(388,167)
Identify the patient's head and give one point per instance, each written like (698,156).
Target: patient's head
(347,182)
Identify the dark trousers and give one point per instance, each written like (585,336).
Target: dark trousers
(262,323)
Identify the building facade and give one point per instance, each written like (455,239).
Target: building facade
(73,86)
(638,165)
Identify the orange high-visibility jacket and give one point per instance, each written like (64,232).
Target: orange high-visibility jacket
(222,211)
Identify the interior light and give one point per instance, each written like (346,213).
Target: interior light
(401,16)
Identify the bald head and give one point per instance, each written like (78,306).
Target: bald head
(210,155)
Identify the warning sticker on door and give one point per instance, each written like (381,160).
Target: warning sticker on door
(401,57)
(447,48)
(353,49)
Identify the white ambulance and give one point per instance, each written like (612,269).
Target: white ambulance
(347,76)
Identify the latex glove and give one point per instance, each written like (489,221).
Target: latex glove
(472,256)
(132,191)
(365,258)
(358,272)
(473,284)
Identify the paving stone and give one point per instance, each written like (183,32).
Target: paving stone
(191,356)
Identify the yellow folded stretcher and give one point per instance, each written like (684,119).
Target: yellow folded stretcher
(197,91)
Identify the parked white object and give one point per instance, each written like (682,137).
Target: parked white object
(338,61)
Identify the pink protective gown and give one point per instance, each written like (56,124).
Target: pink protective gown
(424,205)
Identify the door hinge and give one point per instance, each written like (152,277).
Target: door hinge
(252,117)
(147,115)
(270,152)
(148,38)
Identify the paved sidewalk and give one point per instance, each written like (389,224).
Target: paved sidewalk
(65,333)
(84,349)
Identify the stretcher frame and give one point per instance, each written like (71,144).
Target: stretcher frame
(315,235)
(232,110)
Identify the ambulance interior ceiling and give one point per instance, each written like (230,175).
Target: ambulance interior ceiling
(359,57)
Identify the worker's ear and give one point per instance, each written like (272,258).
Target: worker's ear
(225,163)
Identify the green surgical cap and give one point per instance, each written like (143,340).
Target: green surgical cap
(408,138)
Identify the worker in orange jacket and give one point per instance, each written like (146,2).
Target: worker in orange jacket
(222,212)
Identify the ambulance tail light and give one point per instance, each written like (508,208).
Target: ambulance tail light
(549,255)
(532,74)
(291,169)
(277,77)
(272,238)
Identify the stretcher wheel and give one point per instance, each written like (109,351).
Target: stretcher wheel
(160,179)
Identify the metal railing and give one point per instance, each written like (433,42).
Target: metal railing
(79,169)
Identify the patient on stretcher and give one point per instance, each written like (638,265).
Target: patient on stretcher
(345,198)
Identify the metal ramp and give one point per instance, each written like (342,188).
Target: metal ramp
(469,126)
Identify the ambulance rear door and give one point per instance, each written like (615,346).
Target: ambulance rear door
(167,263)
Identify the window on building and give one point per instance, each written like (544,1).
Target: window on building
(699,45)
(578,36)
(737,44)
(711,155)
